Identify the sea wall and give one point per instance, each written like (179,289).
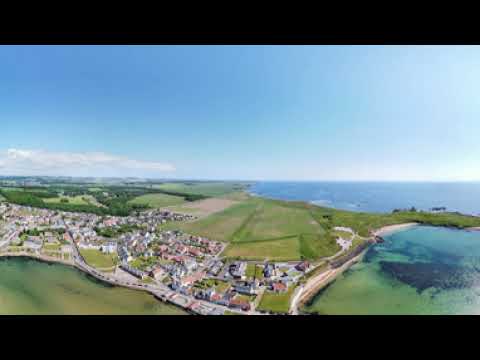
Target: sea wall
(346,258)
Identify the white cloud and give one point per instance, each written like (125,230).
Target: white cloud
(40,162)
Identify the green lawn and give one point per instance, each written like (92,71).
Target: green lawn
(98,259)
(276,303)
(157,200)
(142,263)
(287,249)
(220,286)
(254,269)
(52,247)
(202,188)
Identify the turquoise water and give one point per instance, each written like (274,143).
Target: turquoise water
(422,270)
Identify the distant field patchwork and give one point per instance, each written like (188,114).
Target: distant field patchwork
(73,200)
(208,189)
(204,207)
(157,200)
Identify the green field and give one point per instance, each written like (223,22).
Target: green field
(98,259)
(260,229)
(276,303)
(202,188)
(95,189)
(52,247)
(73,200)
(220,226)
(275,219)
(157,200)
(287,249)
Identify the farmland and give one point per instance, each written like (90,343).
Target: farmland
(157,200)
(204,207)
(73,200)
(266,229)
(213,189)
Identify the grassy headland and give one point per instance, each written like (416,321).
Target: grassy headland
(258,228)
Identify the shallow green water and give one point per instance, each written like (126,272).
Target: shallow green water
(31,287)
(422,270)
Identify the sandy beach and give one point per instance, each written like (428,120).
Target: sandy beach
(392,228)
(315,284)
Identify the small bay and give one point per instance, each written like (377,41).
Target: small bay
(421,270)
(30,287)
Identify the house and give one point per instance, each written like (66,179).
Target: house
(269,270)
(239,304)
(32,244)
(216,268)
(303,266)
(279,287)
(247,287)
(51,239)
(238,269)
(135,272)
(157,273)
(192,279)
(109,248)
(67,237)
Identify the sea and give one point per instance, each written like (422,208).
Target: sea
(378,197)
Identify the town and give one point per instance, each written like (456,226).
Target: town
(182,269)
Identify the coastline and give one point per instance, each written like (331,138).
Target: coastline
(389,229)
(317,283)
(314,285)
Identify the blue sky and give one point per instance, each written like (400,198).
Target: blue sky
(241,112)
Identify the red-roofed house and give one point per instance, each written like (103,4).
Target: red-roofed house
(279,287)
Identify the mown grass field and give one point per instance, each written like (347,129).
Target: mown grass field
(157,200)
(213,189)
(276,303)
(287,249)
(220,226)
(98,259)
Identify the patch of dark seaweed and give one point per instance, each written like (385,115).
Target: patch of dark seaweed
(422,253)
(422,276)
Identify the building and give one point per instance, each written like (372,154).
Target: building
(135,272)
(247,287)
(109,248)
(157,273)
(240,304)
(238,270)
(303,266)
(279,287)
(33,245)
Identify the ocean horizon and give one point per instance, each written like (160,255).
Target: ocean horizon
(376,196)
